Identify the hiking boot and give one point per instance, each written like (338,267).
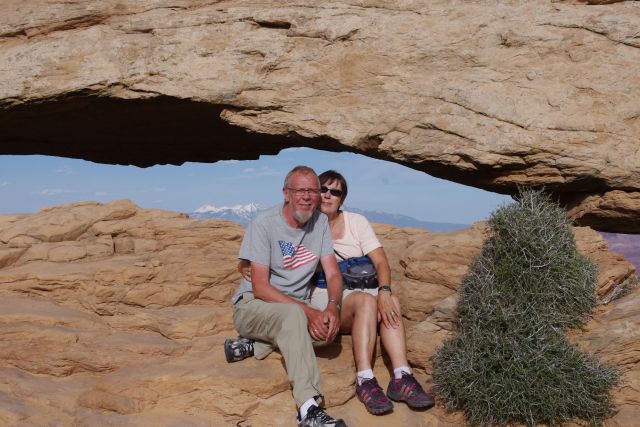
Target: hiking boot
(407,389)
(238,349)
(317,417)
(372,395)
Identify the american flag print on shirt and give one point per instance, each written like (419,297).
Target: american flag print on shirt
(295,256)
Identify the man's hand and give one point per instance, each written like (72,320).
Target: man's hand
(244,268)
(334,291)
(389,310)
(317,325)
(331,317)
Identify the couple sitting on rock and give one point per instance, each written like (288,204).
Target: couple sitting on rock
(277,307)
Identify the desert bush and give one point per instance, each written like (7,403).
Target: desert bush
(510,361)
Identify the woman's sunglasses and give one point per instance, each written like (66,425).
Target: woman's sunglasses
(333,191)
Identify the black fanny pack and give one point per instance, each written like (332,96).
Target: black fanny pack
(357,273)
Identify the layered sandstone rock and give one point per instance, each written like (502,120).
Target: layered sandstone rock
(116,315)
(492,94)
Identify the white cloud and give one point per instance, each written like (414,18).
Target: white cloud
(267,171)
(229,161)
(4,183)
(52,191)
(296,149)
(65,170)
(252,173)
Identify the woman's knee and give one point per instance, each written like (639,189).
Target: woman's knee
(360,299)
(363,302)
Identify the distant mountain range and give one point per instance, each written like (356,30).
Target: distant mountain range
(406,221)
(626,244)
(243,214)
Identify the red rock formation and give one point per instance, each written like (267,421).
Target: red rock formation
(492,94)
(116,315)
(626,244)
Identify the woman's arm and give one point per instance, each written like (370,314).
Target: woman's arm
(387,307)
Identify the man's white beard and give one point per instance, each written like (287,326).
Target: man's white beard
(302,216)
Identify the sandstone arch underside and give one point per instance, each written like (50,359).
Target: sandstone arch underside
(489,94)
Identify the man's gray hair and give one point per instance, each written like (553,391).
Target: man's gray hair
(301,169)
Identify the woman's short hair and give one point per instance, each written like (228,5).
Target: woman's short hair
(327,177)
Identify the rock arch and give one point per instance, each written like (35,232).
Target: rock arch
(492,95)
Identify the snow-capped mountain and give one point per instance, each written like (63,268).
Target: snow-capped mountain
(243,214)
(627,245)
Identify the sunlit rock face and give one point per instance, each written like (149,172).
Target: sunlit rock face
(491,94)
(116,315)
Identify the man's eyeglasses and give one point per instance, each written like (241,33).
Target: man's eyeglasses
(334,192)
(304,191)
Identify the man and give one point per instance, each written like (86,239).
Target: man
(284,245)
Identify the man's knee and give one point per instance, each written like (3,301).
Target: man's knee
(294,318)
(238,319)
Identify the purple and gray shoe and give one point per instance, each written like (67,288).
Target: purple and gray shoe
(407,389)
(372,395)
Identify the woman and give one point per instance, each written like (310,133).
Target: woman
(364,310)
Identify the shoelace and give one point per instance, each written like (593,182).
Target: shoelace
(409,389)
(372,391)
(244,349)
(410,386)
(319,414)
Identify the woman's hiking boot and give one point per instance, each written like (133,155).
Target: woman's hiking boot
(238,349)
(407,389)
(372,395)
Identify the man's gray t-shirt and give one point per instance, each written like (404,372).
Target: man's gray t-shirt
(292,254)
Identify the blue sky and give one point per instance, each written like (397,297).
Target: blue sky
(28,183)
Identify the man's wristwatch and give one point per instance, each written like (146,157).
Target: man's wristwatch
(384,288)
(336,303)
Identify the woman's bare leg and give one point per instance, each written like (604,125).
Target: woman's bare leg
(360,318)
(394,341)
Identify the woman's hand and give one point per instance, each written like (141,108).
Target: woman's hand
(389,310)
(244,268)
(388,306)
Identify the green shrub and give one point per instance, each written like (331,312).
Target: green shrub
(510,362)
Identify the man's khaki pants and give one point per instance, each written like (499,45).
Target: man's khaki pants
(284,326)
